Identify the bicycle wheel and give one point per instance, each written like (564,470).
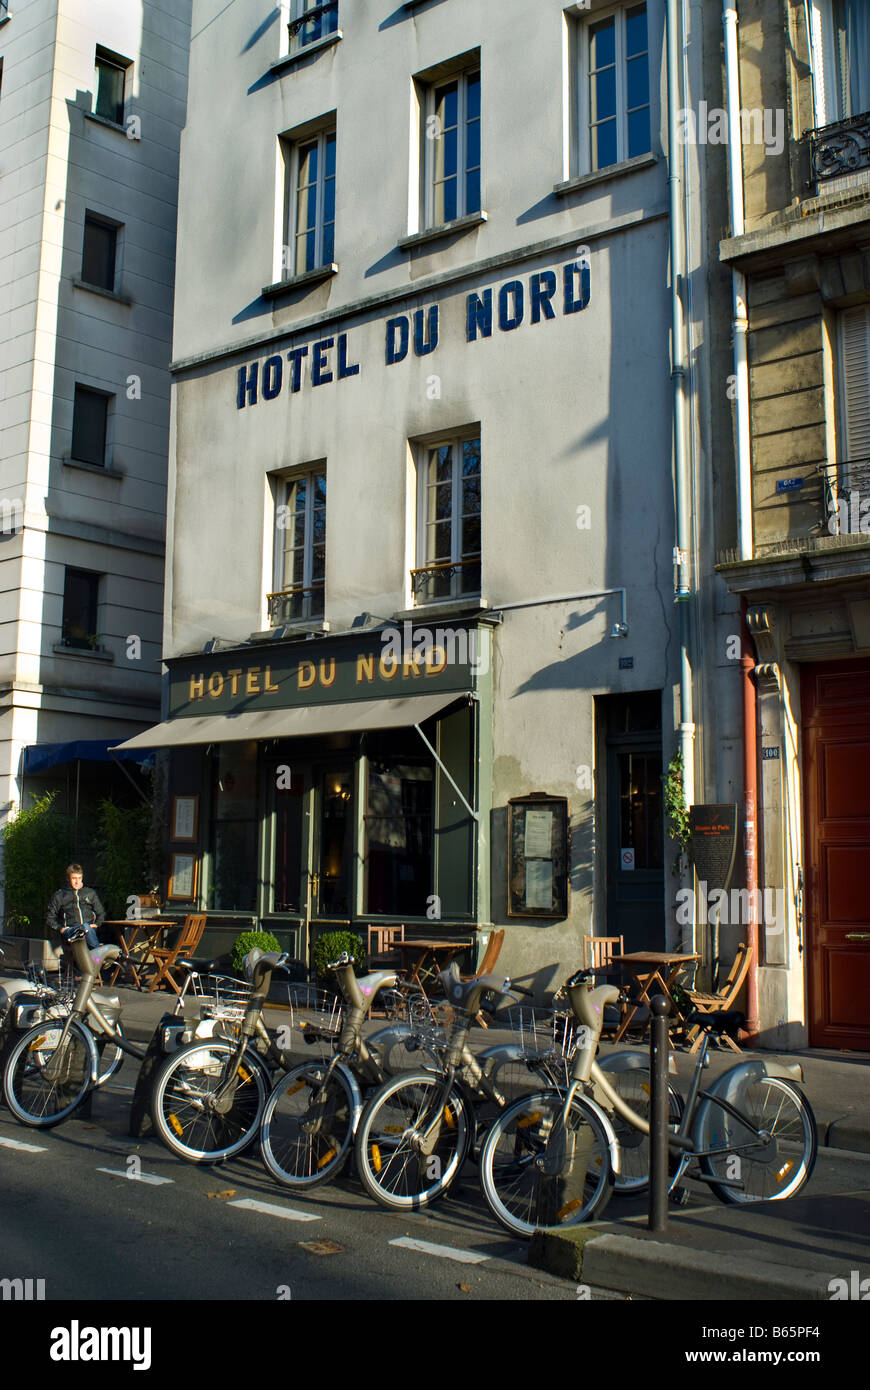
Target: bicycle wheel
(399,1167)
(183,1103)
(537,1173)
(43,1083)
(633,1085)
(109,1056)
(770,1167)
(307,1130)
(513,1079)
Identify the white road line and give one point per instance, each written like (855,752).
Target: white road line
(151,1178)
(444,1252)
(27,1148)
(269,1209)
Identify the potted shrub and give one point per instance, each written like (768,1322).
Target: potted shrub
(330,946)
(246,941)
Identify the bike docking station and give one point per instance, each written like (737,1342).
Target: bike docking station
(658,1114)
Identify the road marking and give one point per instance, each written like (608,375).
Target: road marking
(151,1178)
(444,1252)
(269,1209)
(19,1144)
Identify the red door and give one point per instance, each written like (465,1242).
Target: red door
(836,729)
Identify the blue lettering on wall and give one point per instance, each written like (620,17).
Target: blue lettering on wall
(508,317)
(320,373)
(573,302)
(247,385)
(425,343)
(397,339)
(273,372)
(344,367)
(542,287)
(478,316)
(294,357)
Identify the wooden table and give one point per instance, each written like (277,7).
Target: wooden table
(129,931)
(651,968)
(422,960)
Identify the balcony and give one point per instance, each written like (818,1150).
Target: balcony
(839,149)
(317,22)
(446,580)
(296,605)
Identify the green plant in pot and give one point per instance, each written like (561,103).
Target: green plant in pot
(247,940)
(330,946)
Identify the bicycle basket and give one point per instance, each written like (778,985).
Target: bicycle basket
(428,1022)
(225,998)
(317,1013)
(543,1033)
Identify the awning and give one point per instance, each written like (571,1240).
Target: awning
(354,716)
(40,756)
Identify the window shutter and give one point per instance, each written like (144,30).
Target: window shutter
(855,362)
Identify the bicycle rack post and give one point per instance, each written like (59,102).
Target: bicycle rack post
(658,1114)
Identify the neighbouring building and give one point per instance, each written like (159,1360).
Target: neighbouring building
(430,647)
(799,249)
(92,102)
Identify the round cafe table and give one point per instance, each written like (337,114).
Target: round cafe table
(423,960)
(652,968)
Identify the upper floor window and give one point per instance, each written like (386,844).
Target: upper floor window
(448,555)
(111,80)
(321,21)
(614,88)
(854,378)
(80,605)
(451,145)
(309,234)
(90,426)
(300,548)
(840,45)
(99,252)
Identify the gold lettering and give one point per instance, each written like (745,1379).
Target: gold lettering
(307,675)
(251,686)
(387,667)
(365,667)
(269,684)
(411,667)
(197,687)
(327,670)
(233,677)
(216,685)
(436,660)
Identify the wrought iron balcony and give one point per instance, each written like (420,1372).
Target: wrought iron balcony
(296,605)
(840,148)
(315,23)
(846,491)
(447,579)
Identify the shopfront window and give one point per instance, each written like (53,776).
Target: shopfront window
(336,840)
(233,837)
(398,865)
(288,847)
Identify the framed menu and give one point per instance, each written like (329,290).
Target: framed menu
(538,856)
(182,877)
(185,815)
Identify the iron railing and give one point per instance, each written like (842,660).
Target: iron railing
(296,605)
(322,19)
(840,148)
(447,579)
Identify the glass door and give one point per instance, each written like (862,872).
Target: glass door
(333,854)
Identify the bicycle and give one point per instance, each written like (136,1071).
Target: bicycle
(75,1045)
(416,1131)
(549,1160)
(208,1098)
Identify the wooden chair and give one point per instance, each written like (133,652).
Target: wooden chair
(598,951)
(380,939)
(725,999)
(164,957)
(487,965)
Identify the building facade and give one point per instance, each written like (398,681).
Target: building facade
(798,253)
(430,645)
(92,104)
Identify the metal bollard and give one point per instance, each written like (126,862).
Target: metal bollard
(658,1114)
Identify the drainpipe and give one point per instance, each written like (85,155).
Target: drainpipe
(682,488)
(750,803)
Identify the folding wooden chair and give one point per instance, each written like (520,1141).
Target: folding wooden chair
(380,939)
(487,965)
(725,999)
(164,957)
(598,951)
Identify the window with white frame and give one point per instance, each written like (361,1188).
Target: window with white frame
(448,554)
(613,87)
(451,148)
(321,21)
(300,548)
(309,223)
(839,35)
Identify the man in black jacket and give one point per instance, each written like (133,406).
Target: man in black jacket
(75,907)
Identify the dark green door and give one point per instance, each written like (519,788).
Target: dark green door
(635,849)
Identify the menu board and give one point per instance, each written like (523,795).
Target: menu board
(538,856)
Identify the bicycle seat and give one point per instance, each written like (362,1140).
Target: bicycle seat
(197,967)
(719,1021)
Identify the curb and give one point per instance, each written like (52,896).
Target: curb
(655,1270)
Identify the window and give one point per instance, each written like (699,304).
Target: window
(451,144)
(300,549)
(449,521)
(110,79)
(233,829)
(80,598)
(310,220)
(854,375)
(99,252)
(614,88)
(398,826)
(322,23)
(90,420)
(840,46)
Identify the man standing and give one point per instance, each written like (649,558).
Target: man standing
(76,907)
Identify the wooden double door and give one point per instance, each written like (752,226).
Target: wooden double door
(835,699)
